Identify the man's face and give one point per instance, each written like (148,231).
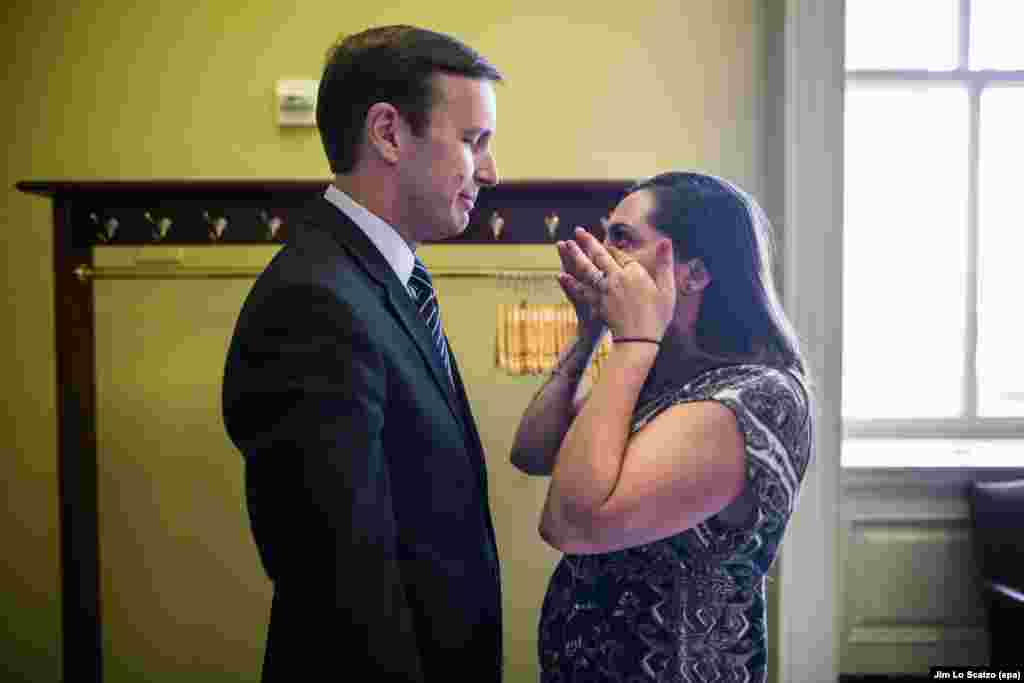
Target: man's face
(442,172)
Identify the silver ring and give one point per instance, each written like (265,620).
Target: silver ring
(596,281)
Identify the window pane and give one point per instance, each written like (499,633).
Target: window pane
(996,34)
(1000,250)
(905,34)
(904,241)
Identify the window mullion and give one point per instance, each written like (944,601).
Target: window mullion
(964,35)
(970,370)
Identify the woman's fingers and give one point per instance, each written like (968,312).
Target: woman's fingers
(619,256)
(595,251)
(565,256)
(664,277)
(569,258)
(565,282)
(575,262)
(576,290)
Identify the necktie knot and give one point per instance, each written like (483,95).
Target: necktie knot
(426,302)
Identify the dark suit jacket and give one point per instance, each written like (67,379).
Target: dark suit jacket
(365,477)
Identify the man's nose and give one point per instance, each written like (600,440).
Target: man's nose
(487,171)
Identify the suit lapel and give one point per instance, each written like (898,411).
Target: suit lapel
(401,305)
(399,302)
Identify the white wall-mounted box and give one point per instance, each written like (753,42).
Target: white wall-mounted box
(296,102)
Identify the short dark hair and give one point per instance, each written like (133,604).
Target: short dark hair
(394,64)
(740,318)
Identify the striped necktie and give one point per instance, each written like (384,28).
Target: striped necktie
(426,301)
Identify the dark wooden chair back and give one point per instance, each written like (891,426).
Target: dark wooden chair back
(997,516)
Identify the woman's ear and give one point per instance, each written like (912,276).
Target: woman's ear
(697,276)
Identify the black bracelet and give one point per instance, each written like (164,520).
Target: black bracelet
(637,339)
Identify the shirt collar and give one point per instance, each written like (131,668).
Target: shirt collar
(387,240)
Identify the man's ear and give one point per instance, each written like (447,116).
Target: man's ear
(383,124)
(697,276)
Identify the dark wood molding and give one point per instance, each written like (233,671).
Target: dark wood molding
(82,640)
(531,211)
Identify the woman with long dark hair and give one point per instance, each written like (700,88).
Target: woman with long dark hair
(673,477)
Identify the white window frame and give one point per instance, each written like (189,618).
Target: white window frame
(959,441)
(809,623)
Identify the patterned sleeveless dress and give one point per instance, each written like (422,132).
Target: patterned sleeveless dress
(689,608)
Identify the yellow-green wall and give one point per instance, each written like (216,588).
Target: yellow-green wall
(124,89)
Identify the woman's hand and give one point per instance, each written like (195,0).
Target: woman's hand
(617,288)
(583,299)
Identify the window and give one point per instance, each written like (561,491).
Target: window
(933,246)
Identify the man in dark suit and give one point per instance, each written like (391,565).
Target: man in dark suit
(365,475)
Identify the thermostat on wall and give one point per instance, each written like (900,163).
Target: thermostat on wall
(296,102)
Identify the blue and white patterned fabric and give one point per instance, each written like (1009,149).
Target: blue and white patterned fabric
(689,608)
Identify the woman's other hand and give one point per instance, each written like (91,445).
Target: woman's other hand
(583,299)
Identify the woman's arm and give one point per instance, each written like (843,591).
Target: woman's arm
(554,406)
(683,467)
(589,461)
(609,491)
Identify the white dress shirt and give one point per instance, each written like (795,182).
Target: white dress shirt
(387,240)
